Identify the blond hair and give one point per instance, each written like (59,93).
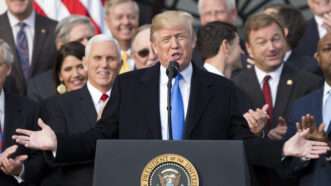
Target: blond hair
(112,3)
(172,18)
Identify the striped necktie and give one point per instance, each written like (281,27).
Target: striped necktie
(22,48)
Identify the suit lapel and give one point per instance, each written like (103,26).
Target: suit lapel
(149,85)
(14,118)
(87,106)
(317,106)
(7,33)
(200,95)
(284,90)
(41,32)
(252,87)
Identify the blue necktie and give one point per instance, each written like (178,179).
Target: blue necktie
(177,110)
(22,48)
(327,111)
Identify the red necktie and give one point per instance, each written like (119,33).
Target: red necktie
(104,97)
(267,95)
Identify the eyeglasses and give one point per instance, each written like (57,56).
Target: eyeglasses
(143,52)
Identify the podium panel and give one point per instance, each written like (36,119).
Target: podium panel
(123,162)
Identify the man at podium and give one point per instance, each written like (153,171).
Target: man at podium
(206,105)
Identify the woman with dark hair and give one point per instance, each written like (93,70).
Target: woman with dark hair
(69,73)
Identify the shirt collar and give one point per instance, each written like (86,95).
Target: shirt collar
(318,20)
(212,69)
(30,21)
(327,89)
(95,93)
(287,55)
(186,74)
(275,75)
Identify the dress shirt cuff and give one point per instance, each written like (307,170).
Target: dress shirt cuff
(19,178)
(54,154)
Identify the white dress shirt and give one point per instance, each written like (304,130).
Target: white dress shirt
(130,59)
(321,29)
(273,81)
(287,55)
(29,29)
(326,94)
(2,109)
(96,95)
(210,68)
(184,85)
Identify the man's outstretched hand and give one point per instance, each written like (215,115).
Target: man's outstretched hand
(44,139)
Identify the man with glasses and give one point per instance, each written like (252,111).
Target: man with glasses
(142,53)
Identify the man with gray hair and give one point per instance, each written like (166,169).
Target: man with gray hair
(31,36)
(217,10)
(71,28)
(74,28)
(122,19)
(15,112)
(84,106)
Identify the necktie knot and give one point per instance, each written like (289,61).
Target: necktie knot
(104,97)
(22,25)
(266,78)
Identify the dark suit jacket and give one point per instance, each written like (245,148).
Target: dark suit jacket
(133,113)
(44,49)
(314,172)
(70,113)
(305,63)
(42,86)
(20,113)
(302,84)
(308,43)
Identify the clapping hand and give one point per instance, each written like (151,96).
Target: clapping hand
(279,131)
(257,119)
(12,166)
(315,133)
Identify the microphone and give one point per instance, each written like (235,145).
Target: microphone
(172,71)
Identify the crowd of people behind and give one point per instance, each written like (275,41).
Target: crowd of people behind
(62,87)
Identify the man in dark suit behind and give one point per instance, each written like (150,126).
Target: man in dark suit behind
(316,27)
(315,172)
(271,81)
(15,112)
(33,38)
(76,112)
(137,107)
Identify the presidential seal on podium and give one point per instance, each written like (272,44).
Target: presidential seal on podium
(169,170)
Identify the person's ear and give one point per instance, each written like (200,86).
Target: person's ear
(9,70)
(317,57)
(286,32)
